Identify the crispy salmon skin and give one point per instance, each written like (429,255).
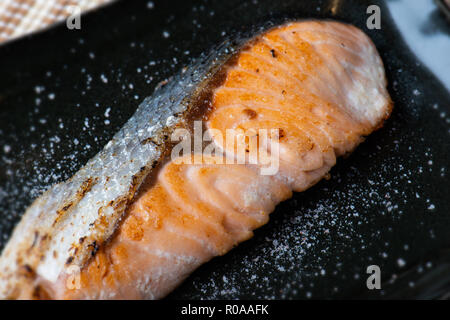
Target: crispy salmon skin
(134,222)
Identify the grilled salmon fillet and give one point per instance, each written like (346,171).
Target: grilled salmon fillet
(320,85)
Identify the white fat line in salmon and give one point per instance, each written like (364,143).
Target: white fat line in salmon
(235,146)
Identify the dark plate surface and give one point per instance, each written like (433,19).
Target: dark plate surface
(63,94)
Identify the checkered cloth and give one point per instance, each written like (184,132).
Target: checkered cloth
(19,17)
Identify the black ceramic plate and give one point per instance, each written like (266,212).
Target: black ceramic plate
(64,93)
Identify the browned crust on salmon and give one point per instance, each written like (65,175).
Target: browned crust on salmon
(85,250)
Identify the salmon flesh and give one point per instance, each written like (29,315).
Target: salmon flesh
(135,221)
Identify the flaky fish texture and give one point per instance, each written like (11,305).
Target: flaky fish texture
(321,84)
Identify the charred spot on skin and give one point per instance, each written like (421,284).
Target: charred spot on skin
(94,248)
(85,187)
(135,180)
(119,203)
(273,53)
(69,260)
(250,113)
(81,240)
(281,133)
(40,293)
(27,271)
(65,208)
(257,70)
(28,268)
(35,240)
(62,211)
(283,92)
